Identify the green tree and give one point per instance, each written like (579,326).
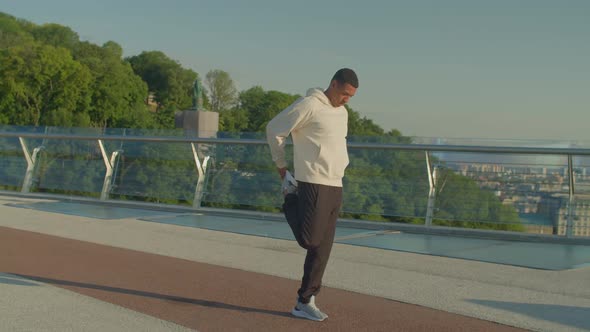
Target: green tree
(168,82)
(43,85)
(56,35)
(261,106)
(118,94)
(13,31)
(358,126)
(222,90)
(233,120)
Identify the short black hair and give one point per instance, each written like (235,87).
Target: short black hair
(346,75)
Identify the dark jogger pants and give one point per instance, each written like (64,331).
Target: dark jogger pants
(312,214)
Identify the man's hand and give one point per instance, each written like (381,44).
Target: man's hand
(282,172)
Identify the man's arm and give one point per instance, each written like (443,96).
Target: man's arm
(280,127)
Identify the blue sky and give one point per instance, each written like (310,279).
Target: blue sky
(505,69)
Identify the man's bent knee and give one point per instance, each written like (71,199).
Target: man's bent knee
(307,243)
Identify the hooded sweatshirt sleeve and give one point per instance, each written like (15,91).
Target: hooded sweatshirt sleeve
(279,128)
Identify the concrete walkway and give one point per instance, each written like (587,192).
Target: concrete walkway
(29,305)
(87,273)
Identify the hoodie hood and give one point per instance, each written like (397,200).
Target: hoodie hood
(319,94)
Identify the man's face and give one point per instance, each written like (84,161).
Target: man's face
(340,93)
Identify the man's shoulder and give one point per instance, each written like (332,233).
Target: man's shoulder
(305,102)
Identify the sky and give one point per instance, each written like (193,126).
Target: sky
(468,69)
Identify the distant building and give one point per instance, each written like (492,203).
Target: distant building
(556,206)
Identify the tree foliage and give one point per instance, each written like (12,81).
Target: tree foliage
(170,85)
(261,106)
(55,35)
(222,90)
(43,85)
(118,95)
(51,78)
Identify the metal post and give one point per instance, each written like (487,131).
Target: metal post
(31,163)
(201,170)
(570,209)
(431,193)
(108,177)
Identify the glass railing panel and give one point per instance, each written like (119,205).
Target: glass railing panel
(385,184)
(500,191)
(13,164)
(581,224)
(21,129)
(382,185)
(154,172)
(379,184)
(581,166)
(498,142)
(243,176)
(162,172)
(69,167)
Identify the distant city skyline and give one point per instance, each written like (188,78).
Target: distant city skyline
(455,69)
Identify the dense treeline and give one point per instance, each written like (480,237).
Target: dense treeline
(50,78)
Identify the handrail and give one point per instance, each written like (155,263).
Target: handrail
(354,145)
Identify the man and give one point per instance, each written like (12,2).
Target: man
(318,124)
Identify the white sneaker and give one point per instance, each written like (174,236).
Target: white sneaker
(308,311)
(289,185)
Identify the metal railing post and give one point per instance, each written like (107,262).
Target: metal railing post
(431,192)
(31,163)
(108,177)
(569,227)
(201,170)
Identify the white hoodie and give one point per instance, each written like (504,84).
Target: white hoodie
(319,138)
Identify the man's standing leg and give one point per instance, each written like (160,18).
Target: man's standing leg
(312,215)
(318,229)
